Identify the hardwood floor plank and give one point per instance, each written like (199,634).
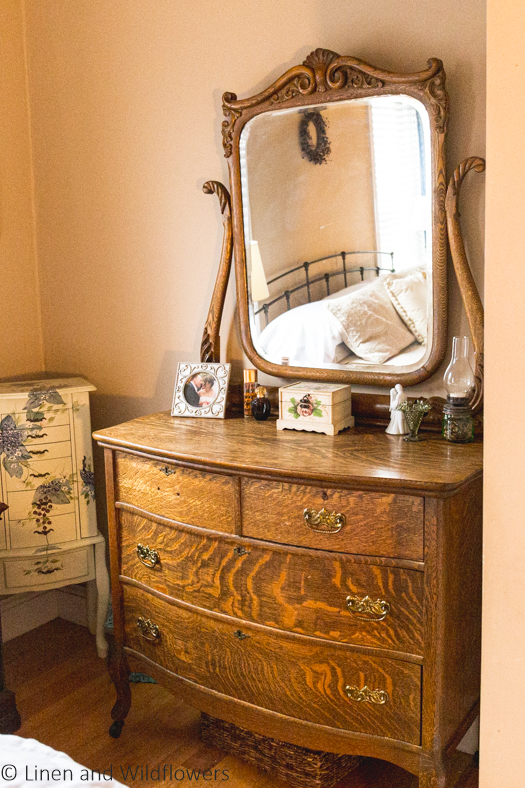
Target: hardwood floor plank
(64,696)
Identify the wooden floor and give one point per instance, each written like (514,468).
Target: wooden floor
(64,697)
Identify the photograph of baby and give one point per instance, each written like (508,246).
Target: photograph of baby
(201,389)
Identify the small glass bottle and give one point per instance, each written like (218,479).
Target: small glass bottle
(250,378)
(261,407)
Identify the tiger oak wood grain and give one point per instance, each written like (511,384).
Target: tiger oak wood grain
(292,675)
(289,592)
(271,585)
(191,496)
(361,458)
(274,511)
(194,567)
(162,728)
(306,593)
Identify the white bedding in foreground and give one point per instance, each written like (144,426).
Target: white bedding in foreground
(19,758)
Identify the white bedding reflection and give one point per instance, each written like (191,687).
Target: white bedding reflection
(354,326)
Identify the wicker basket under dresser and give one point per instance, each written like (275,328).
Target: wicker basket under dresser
(319,591)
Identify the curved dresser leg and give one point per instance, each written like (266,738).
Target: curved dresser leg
(432,777)
(119,672)
(102,581)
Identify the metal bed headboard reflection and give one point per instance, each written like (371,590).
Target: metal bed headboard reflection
(326,277)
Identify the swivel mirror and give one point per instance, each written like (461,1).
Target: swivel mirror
(338,186)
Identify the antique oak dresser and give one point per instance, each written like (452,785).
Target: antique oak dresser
(324,591)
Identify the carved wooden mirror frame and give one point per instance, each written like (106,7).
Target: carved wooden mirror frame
(325,76)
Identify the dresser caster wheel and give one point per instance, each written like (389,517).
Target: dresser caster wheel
(116,729)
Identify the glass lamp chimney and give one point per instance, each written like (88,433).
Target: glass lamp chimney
(459,378)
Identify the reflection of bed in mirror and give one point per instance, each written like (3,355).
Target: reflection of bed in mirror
(352,175)
(380,319)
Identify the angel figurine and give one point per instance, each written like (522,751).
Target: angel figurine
(398,424)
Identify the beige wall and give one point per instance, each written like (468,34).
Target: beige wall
(503,677)
(20,326)
(126,114)
(303,211)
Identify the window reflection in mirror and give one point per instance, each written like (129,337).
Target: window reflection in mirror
(338,222)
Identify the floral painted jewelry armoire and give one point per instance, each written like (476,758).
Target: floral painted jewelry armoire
(48,532)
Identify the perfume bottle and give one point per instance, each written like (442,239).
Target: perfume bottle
(458,423)
(261,407)
(250,378)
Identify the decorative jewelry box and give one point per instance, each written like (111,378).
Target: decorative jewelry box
(315,407)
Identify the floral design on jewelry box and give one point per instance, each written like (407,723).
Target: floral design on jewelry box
(88,481)
(41,406)
(306,407)
(38,397)
(46,566)
(12,438)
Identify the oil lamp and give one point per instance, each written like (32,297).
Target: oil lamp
(458,423)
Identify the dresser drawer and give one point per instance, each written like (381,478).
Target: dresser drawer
(41,472)
(314,593)
(329,595)
(291,675)
(194,497)
(364,523)
(41,569)
(188,565)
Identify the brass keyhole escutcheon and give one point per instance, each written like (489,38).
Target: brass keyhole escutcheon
(167,471)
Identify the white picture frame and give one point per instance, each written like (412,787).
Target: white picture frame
(201,390)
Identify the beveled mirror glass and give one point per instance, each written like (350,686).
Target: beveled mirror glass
(338,185)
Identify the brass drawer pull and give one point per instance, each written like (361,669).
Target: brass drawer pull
(148,629)
(147,556)
(37,437)
(240,550)
(240,635)
(366,695)
(167,471)
(43,451)
(324,522)
(366,609)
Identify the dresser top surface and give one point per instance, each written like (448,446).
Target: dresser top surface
(363,456)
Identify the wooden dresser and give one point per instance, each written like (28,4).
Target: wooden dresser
(324,591)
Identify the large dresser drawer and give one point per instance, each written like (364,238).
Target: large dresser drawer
(299,677)
(332,596)
(363,523)
(194,497)
(314,593)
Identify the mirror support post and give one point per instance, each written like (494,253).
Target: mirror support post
(467,285)
(210,345)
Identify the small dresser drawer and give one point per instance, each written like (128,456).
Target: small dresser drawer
(292,675)
(193,497)
(44,568)
(331,596)
(182,563)
(363,523)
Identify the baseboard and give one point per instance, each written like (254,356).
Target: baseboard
(21,613)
